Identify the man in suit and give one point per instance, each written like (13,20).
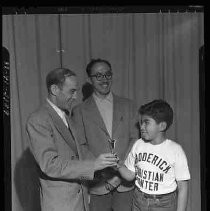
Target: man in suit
(106,122)
(59,154)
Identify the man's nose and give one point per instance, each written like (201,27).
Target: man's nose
(104,78)
(142,126)
(74,95)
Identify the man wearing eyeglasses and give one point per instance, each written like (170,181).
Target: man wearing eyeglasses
(106,122)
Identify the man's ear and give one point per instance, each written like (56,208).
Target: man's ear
(163,126)
(54,89)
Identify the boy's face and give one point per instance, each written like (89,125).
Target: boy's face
(150,129)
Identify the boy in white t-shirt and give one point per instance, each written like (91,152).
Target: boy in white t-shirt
(158,164)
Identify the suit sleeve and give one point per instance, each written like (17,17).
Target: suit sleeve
(77,119)
(133,126)
(134,129)
(43,146)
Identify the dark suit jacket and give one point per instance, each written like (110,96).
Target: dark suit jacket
(92,130)
(59,155)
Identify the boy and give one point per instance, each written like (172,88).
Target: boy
(158,164)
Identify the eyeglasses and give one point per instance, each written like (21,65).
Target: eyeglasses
(100,76)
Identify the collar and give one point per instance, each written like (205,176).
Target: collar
(58,110)
(108,98)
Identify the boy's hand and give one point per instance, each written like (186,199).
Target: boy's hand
(118,166)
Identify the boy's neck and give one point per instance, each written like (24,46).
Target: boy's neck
(158,140)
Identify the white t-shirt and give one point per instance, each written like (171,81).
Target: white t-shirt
(157,167)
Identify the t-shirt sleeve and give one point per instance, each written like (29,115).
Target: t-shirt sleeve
(130,160)
(181,165)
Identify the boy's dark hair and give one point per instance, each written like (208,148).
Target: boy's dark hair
(57,77)
(159,110)
(93,62)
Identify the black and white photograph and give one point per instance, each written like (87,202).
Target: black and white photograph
(104,108)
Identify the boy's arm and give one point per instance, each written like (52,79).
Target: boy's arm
(182,195)
(126,173)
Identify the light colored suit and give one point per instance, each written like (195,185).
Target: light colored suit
(58,154)
(93,130)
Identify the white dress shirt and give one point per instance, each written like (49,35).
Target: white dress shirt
(61,113)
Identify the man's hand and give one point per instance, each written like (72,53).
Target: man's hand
(105,160)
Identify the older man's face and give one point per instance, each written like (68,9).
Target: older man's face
(67,93)
(102,85)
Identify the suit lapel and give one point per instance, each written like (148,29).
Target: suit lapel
(61,127)
(117,114)
(95,115)
(71,127)
(74,134)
